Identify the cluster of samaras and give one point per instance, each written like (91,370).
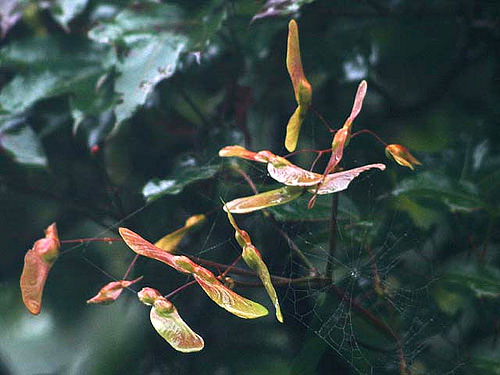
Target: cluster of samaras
(296,180)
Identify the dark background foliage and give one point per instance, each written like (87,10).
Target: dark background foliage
(112,113)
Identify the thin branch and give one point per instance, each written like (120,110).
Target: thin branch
(230,267)
(130,266)
(371,133)
(247,178)
(85,240)
(322,119)
(180,289)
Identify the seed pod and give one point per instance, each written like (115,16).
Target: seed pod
(37,263)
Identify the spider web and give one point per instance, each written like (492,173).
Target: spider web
(376,314)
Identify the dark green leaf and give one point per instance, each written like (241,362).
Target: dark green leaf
(486,359)
(65,10)
(175,183)
(53,70)
(10,13)
(457,196)
(280,8)
(21,142)
(483,281)
(154,36)
(297,210)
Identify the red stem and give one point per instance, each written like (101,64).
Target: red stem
(231,266)
(322,119)
(320,154)
(130,266)
(371,133)
(93,239)
(179,289)
(326,150)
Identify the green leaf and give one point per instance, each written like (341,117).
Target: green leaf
(482,280)
(449,302)
(21,142)
(486,359)
(457,196)
(274,8)
(49,67)
(65,10)
(178,180)
(154,36)
(149,61)
(423,217)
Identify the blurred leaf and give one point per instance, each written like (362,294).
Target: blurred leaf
(423,217)
(280,8)
(457,196)
(449,302)
(92,108)
(180,178)
(486,359)
(37,263)
(10,14)
(21,142)
(55,53)
(151,59)
(65,10)
(49,67)
(154,36)
(482,280)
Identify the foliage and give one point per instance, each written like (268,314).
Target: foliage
(114,114)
